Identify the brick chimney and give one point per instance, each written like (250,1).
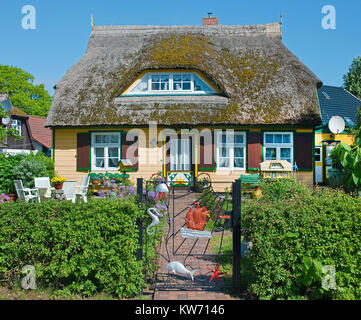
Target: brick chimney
(210,21)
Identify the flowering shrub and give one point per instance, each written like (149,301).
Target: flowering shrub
(112,190)
(4,197)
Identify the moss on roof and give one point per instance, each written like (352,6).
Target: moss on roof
(261,81)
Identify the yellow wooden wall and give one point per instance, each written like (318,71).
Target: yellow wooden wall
(346,138)
(65,156)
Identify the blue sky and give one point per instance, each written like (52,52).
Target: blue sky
(63,28)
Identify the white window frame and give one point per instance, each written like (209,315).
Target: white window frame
(16,124)
(278,146)
(94,145)
(148,78)
(318,148)
(231,145)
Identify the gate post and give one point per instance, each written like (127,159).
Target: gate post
(236,236)
(140,221)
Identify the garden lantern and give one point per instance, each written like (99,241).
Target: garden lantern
(162,190)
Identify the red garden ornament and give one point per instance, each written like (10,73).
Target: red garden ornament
(215,274)
(196,218)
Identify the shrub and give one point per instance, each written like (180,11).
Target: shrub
(295,232)
(7,163)
(27,170)
(282,189)
(75,248)
(25,167)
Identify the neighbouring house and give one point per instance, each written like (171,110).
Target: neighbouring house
(35,136)
(18,121)
(238,84)
(41,135)
(334,101)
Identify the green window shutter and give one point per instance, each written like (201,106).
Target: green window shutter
(83,151)
(129,149)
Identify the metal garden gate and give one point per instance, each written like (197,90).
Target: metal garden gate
(198,223)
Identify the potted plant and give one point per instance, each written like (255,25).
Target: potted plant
(58,182)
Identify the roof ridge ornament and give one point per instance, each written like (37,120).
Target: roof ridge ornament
(281,18)
(92,21)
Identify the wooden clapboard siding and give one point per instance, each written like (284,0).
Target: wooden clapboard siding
(66,151)
(306,178)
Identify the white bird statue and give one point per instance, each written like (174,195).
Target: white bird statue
(176,266)
(153,212)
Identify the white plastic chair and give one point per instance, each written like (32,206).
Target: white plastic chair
(26,193)
(83,188)
(44,186)
(69,188)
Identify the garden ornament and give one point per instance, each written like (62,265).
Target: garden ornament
(215,274)
(153,212)
(162,190)
(196,218)
(189,233)
(180,268)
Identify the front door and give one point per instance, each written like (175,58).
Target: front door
(180,167)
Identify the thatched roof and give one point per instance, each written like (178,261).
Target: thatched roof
(260,80)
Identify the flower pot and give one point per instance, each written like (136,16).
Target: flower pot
(12,197)
(58,186)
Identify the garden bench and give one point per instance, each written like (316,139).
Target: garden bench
(249,183)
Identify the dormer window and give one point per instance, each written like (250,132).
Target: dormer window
(170,83)
(160,82)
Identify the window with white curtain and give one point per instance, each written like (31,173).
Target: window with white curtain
(180,159)
(278,146)
(170,83)
(231,150)
(105,150)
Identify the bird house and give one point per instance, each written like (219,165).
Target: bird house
(276,169)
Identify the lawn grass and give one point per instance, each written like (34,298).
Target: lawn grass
(225,261)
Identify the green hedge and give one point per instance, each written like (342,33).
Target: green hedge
(75,248)
(295,232)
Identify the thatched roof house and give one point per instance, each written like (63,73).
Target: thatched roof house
(218,76)
(259,80)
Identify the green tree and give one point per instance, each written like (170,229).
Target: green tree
(352,80)
(349,157)
(33,99)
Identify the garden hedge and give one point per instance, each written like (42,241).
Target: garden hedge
(295,232)
(75,248)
